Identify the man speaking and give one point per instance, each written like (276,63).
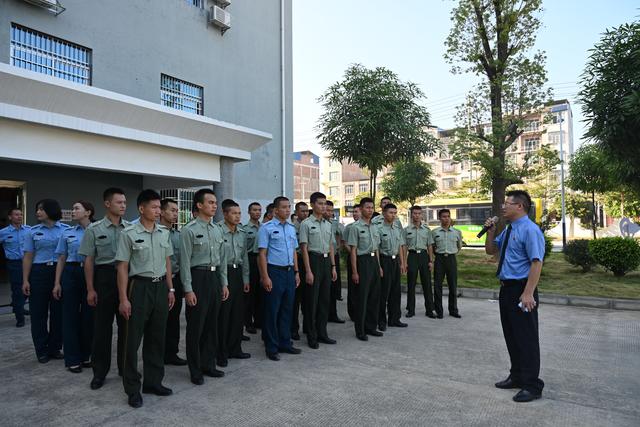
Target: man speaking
(521,248)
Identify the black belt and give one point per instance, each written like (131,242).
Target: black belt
(281,267)
(253,254)
(104,267)
(445,255)
(75,263)
(318,254)
(14,260)
(234,266)
(417,251)
(388,256)
(367,255)
(46,264)
(206,267)
(511,282)
(155,279)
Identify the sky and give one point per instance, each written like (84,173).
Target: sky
(407,36)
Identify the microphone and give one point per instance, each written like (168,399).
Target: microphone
(485,228)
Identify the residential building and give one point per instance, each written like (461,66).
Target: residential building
(306,175)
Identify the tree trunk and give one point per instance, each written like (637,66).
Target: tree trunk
(374,175)
(594,220)
(497,199)
(621,205)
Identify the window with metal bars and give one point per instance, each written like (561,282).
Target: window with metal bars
(35,51)
(181,95)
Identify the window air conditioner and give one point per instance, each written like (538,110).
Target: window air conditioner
(220,18)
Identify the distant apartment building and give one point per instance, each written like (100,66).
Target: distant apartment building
(306,175)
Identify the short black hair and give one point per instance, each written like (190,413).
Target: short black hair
(329,203)
(299,204)
(292,216)
(445,210)
(228,204)
(522,197)
(366,200)
(389,206)
(165,202)
(375,214)
(253,204)
(51,207)
(385,198)
(269,208)
(198,197)
(278,200)
(356,206)
(10,212)
(147,196)
(415,208)
(110,192)
(315,196)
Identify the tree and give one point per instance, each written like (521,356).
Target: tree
(373,119)
(409,180)
(539,167)
(611,100)
(590,172)
(491,38)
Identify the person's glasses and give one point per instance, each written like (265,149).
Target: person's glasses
(508,203)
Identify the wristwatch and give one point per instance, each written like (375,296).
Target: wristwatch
(172,289)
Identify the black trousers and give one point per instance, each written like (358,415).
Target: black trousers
(202,321)
(350,290)
(418,264)
(231,316)
(367,295)
(336,288)
(446,266)
(298,301)
(106,285)
(316,301)
(173,321)
(77,316)
(520,331)
(46,311)
(390,292)
(255,297)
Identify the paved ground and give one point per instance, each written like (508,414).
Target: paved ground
(436,372)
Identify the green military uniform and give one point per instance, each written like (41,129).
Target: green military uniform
(447,243)
(100,241)
(253,313)
(173,321)
(202,258)
(378,220)
(146,252)
(419,240)
(231,315)
(299,300)
(316,234)
(350,290)
(336,286)
(366,238)
(391,242)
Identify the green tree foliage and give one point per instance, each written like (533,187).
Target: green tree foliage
(374,120)
(409,181)
(491,39)
(617,254)
(611,100)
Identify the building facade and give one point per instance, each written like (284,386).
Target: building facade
(306,175)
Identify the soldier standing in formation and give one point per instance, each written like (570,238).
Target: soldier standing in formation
(419,241)
(253,316)
(448,242)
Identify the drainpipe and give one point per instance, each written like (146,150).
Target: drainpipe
(282,99)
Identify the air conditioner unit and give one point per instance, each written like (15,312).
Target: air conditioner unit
(223,3)
(52,6)
(220,18)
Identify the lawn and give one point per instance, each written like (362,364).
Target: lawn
(477,270)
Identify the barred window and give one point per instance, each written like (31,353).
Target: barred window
(35,51)
(348,189)
(181,95)
(363,187)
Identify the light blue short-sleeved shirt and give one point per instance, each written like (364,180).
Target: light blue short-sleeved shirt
(43,240)
(279,239)
(526,244)
(12,240)
(69,244)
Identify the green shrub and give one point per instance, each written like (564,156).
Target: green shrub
(548,245)
(617,254)
(577,253)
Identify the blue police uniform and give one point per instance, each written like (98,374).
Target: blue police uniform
(279,239)
(42,240)
(521,243)
(12,240)
(77,315)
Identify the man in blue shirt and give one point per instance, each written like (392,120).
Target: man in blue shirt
(279,276)
(521,248)
(12,240)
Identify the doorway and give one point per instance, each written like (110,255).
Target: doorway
(13,194)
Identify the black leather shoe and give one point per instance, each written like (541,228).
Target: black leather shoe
(507,384)
(87,364)
(96,383)
(251,330)
(197,380)
(382,327)
(273,356)
(175,361)
(222,363)
(135,400)
(375,333)
(295,336)
(362,337)
(409,314)
(20,324)
(241,355)
(339,299)
(456,315)
(75,369)
(215,373)
(158,390)
(430,315)
(313,344)
(398,324)
(43,359)
(327,340)
(291,350)
(440,316)
(56,355)
(336,320)
(525,396)
(245,338)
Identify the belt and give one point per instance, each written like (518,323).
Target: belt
(281,267)
(155,279)
(76,263)
(388,256)
(104,267)
(445,255)
(14,260)
(253,254)
(319,254)
(234,266)
(416,251)
(48,264)
(206,267)
(371,254)
(510,282)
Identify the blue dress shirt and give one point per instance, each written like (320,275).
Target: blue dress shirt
(279,239)
(69,244)
(42,241)
(12,239)
(526,244)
